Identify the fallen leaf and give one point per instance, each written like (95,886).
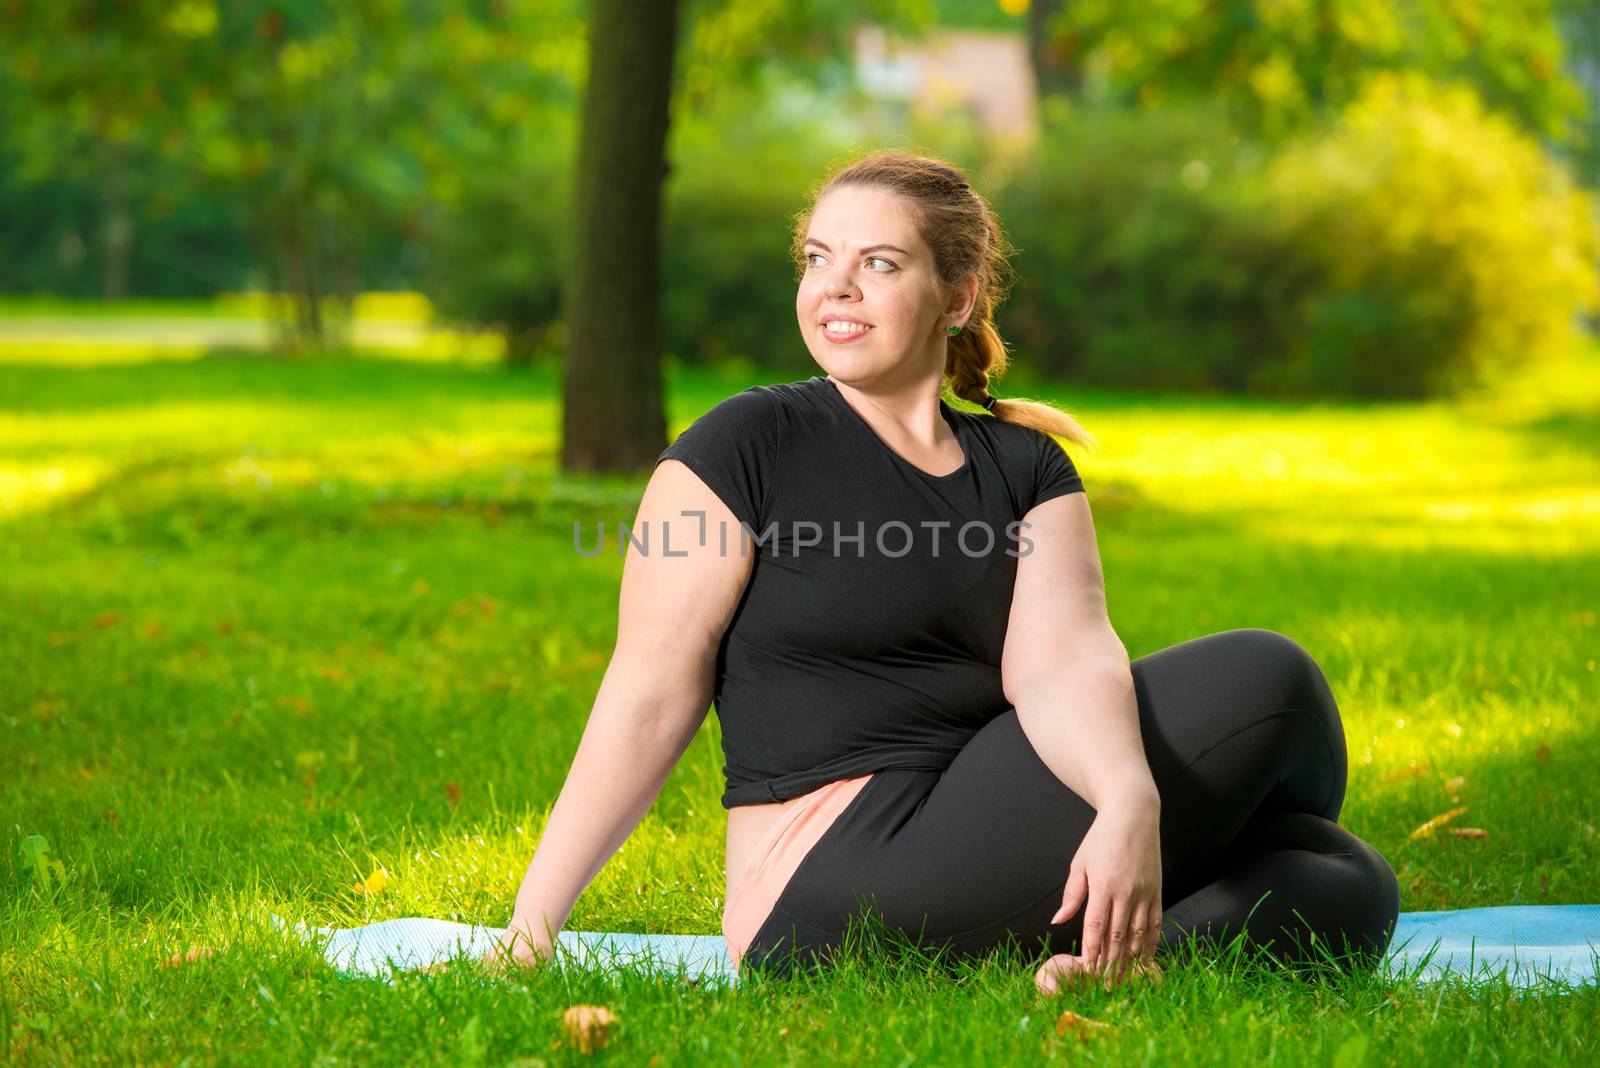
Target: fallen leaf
(452,793)
(1413,771)
(1082,1026)
(1454,783)
(1468,832)
(106,619)
(1427,829)
(588,1026)
(374,882)
(110,816)
(189,956)
(1542,753)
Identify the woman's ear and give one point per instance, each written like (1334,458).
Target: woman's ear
(962,299)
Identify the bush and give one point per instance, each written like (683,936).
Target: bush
(500,243)
(1143,260)
(1450,247)
(1415,246)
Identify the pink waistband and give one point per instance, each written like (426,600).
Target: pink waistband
(774,860)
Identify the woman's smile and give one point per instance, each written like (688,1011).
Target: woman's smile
(843,332)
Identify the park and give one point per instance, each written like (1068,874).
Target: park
(329,340)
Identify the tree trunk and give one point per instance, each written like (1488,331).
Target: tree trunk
(612,418)
(1055,65)
(116,228)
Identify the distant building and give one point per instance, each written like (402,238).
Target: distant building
(985,72)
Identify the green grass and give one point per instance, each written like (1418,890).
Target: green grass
(260,616)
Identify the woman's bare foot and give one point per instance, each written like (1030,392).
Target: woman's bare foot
(1070,970)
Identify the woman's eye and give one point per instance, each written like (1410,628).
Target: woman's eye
(889,265)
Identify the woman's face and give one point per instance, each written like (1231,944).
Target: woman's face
(864,263)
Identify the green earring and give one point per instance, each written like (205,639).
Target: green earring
(954,330)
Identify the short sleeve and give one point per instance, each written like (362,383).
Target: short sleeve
(734,449)
(1055,475)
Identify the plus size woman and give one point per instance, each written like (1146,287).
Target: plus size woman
(897,608)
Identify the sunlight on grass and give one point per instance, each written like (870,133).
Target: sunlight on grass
(28,488)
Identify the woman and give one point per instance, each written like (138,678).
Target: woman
(897,607)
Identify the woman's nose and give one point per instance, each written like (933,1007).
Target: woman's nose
(839,282)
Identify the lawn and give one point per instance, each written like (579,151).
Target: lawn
(272,627)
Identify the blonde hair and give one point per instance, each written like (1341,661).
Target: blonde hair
(965,235)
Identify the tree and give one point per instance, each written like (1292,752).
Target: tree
(612,416)
(1281,65)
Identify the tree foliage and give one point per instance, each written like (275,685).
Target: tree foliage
(1280,64)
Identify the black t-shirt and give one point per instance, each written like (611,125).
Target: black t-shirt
(870,632)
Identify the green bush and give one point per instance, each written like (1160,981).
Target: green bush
(1143,260)
(499,242)
(1449,246)
(1414,246)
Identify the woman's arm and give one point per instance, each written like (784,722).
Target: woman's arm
(678,595)
(1068,675)
(1064,669)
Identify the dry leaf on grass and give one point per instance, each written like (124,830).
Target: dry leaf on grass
(588,1027)
(1468,832)
(1410,771)
(374,882)
(1081,1026)
(189,956)
(1427,829)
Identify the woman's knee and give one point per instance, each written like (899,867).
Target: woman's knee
(1382,896)
(1278,654)
(1304,685)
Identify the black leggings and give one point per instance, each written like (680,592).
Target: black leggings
(1247,750)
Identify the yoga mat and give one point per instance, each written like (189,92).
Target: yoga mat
(1527,944)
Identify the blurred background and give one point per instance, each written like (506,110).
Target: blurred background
(1352,197)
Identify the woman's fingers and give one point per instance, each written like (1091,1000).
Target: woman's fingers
(1116,937)
(1132,939)
(1152,934)
(1095,919)
(1071,896)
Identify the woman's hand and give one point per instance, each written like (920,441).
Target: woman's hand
(519,950)
(1118,869)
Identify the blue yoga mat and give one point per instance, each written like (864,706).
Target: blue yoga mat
(1528,945)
